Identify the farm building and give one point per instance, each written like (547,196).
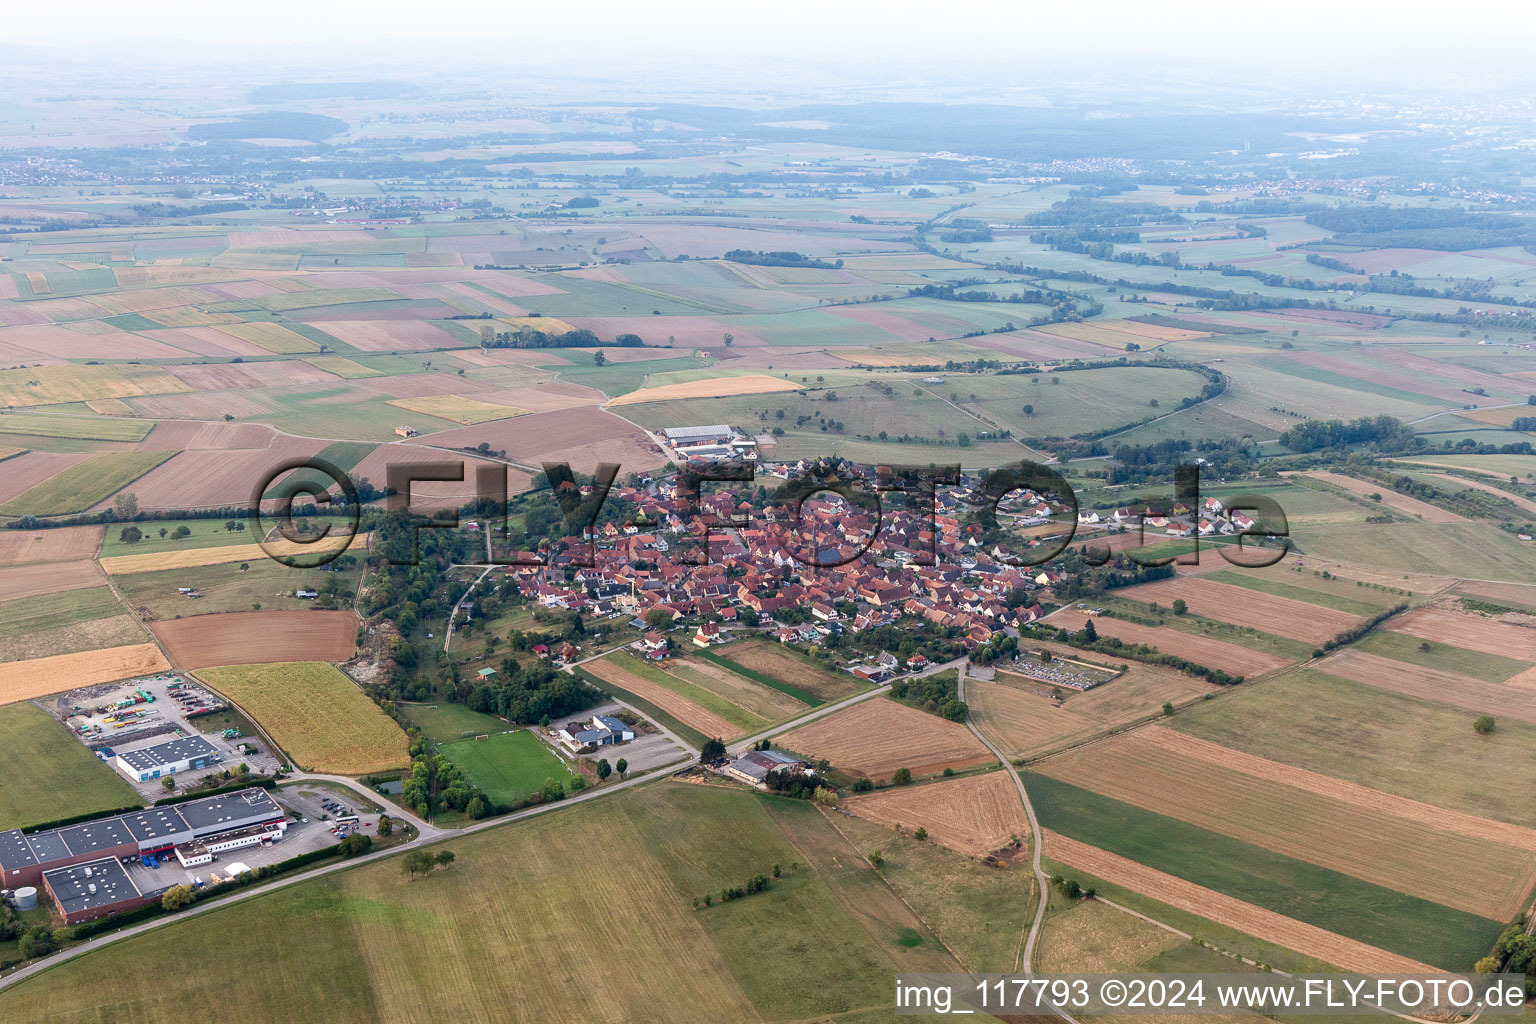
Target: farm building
(94,889)
(179,755)
(152,831)
(754,767)
(718,433)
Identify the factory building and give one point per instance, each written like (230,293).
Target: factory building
(153,831)
(185,753)
(94,889)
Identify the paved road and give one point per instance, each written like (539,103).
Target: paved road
(429,834)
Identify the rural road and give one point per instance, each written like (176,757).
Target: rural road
(430,834)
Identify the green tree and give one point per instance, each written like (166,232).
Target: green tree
(126,505)
(658,618)
(902,777)
(920,834)
(1179,607)
(1484,725)
(598,359)
(355,844)
(622,767)
(712,750)
(444,858)
(35,941)
(177,896)
(130,535)
(1167,707)
(386,825)
(604,769)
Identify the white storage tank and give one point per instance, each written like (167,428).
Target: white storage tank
(26,898)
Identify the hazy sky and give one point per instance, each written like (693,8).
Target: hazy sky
(1398,34)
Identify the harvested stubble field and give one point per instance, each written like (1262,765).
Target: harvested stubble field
(1344,953)
(752,697)
(52,385)
(1024,723)
(154,561)
(46,578)
(23,680)
(1475,632)
(18,547)
(674,704)
(1243,607)
(878,736)
(1490,880)
(1400,502)
(244,638)
(1514,701)
(200,479)
(973,815)
(772,661)
(457,408)
(317,715)
(1447,819)
(1202,650)
(718,387)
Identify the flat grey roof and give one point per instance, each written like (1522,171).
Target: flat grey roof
(229,811)
(48,846)
(182,748)
(71,886)
(693,433)
(155,823)
(96,835)
(15,853)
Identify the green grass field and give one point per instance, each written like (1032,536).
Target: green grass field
(379,946)
(508,765)
(82,485)
(89,428)
(49,774)
(75,620)
(1478,664)
(225,588)
(1373,914)
(205,533)
(443,723)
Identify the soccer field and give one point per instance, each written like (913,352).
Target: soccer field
(508,766)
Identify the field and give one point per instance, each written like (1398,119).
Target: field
(1202,650)
(1329,947)
(774,662)
(38,677)
(457,408)
(69,621)
(188,558)
(1372,914)
(1244,607)
(47,578)
(89,428)
(83,484)
(49,774)
(692,705)
(1399,502)
(19,547)
(859,741)
(1475,632)
(508,766)
(443,723)
(318,716)
(1516,701)
(1443,657)
(716,387)
(831,924)
(243,638)
(972,815)
(1025,724)
(1407,855)
(754,698)
(1356,733)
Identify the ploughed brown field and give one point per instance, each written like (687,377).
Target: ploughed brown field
(1401,502)
(1329,947)
(1474,632)
(47,578)
(973,815)
(1499,699)
(1231,658)
(245,638)
(18,547)
(674,704)
(878,736)
(1243,607)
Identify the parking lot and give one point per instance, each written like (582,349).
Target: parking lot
(154,709)
(301,838)
(645,751)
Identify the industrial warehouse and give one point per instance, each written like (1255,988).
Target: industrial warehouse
(79,864)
